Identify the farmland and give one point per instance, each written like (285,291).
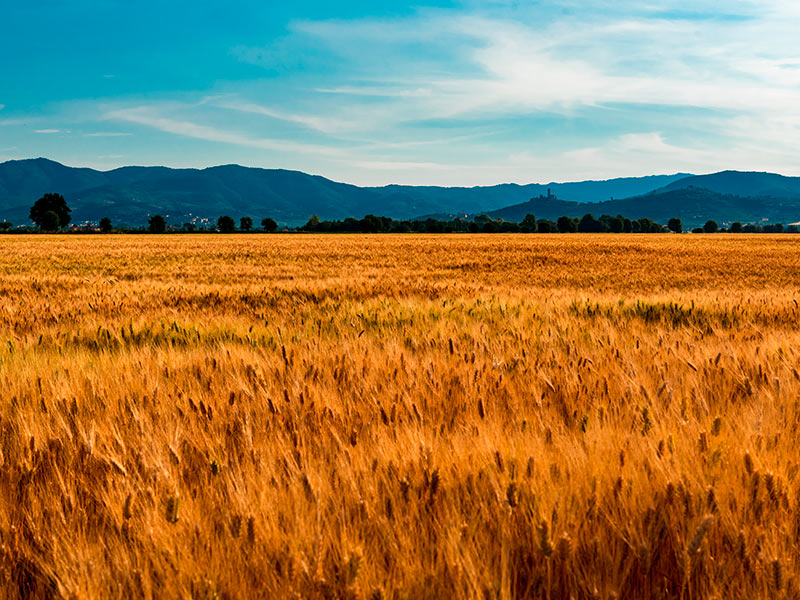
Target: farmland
(400,416)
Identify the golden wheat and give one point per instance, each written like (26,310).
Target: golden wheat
(399,416)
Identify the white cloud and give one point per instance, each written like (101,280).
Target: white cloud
(47,131)
(575,62)
(738,73)
(323,124)
(107,134)
(381,92)
(12,122)
(645,154)
(476,64)
(149,118)
(393,166)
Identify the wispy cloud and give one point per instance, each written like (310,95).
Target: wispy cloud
(509,66)
(14,122)
(148,117)
(380,92)
(399,166)
(47,131)
(319,123)
(107,134)
(737,72)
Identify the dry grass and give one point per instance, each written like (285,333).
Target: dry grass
(400,417)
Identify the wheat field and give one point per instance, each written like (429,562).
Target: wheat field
(457,416)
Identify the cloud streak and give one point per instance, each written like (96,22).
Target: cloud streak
(102,134)
(147,117)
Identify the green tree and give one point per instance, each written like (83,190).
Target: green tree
(49,221)
(157,224)
(736,227)
(675,225)
(50,203)
(5,226)
(371,224)
(589,224)
(528,224)
(616,224)
(566,225)
(105,225)
(711,227)
(269,225)
(312,224)
(648,226)
(627,226)
(245,223)
(489,227)
(226,224)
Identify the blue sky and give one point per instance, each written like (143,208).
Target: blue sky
(456,92)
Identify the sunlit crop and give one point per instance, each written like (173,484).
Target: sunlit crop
(400,416)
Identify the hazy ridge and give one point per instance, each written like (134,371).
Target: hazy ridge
(131,194)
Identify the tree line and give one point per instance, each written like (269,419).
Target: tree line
(485,224)
(225,224)
(51,213)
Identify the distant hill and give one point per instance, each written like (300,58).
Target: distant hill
(504,194)
(131,194)
(740,183)
(693,205)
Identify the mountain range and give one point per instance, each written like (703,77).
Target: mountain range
(725,197)
(131,194)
